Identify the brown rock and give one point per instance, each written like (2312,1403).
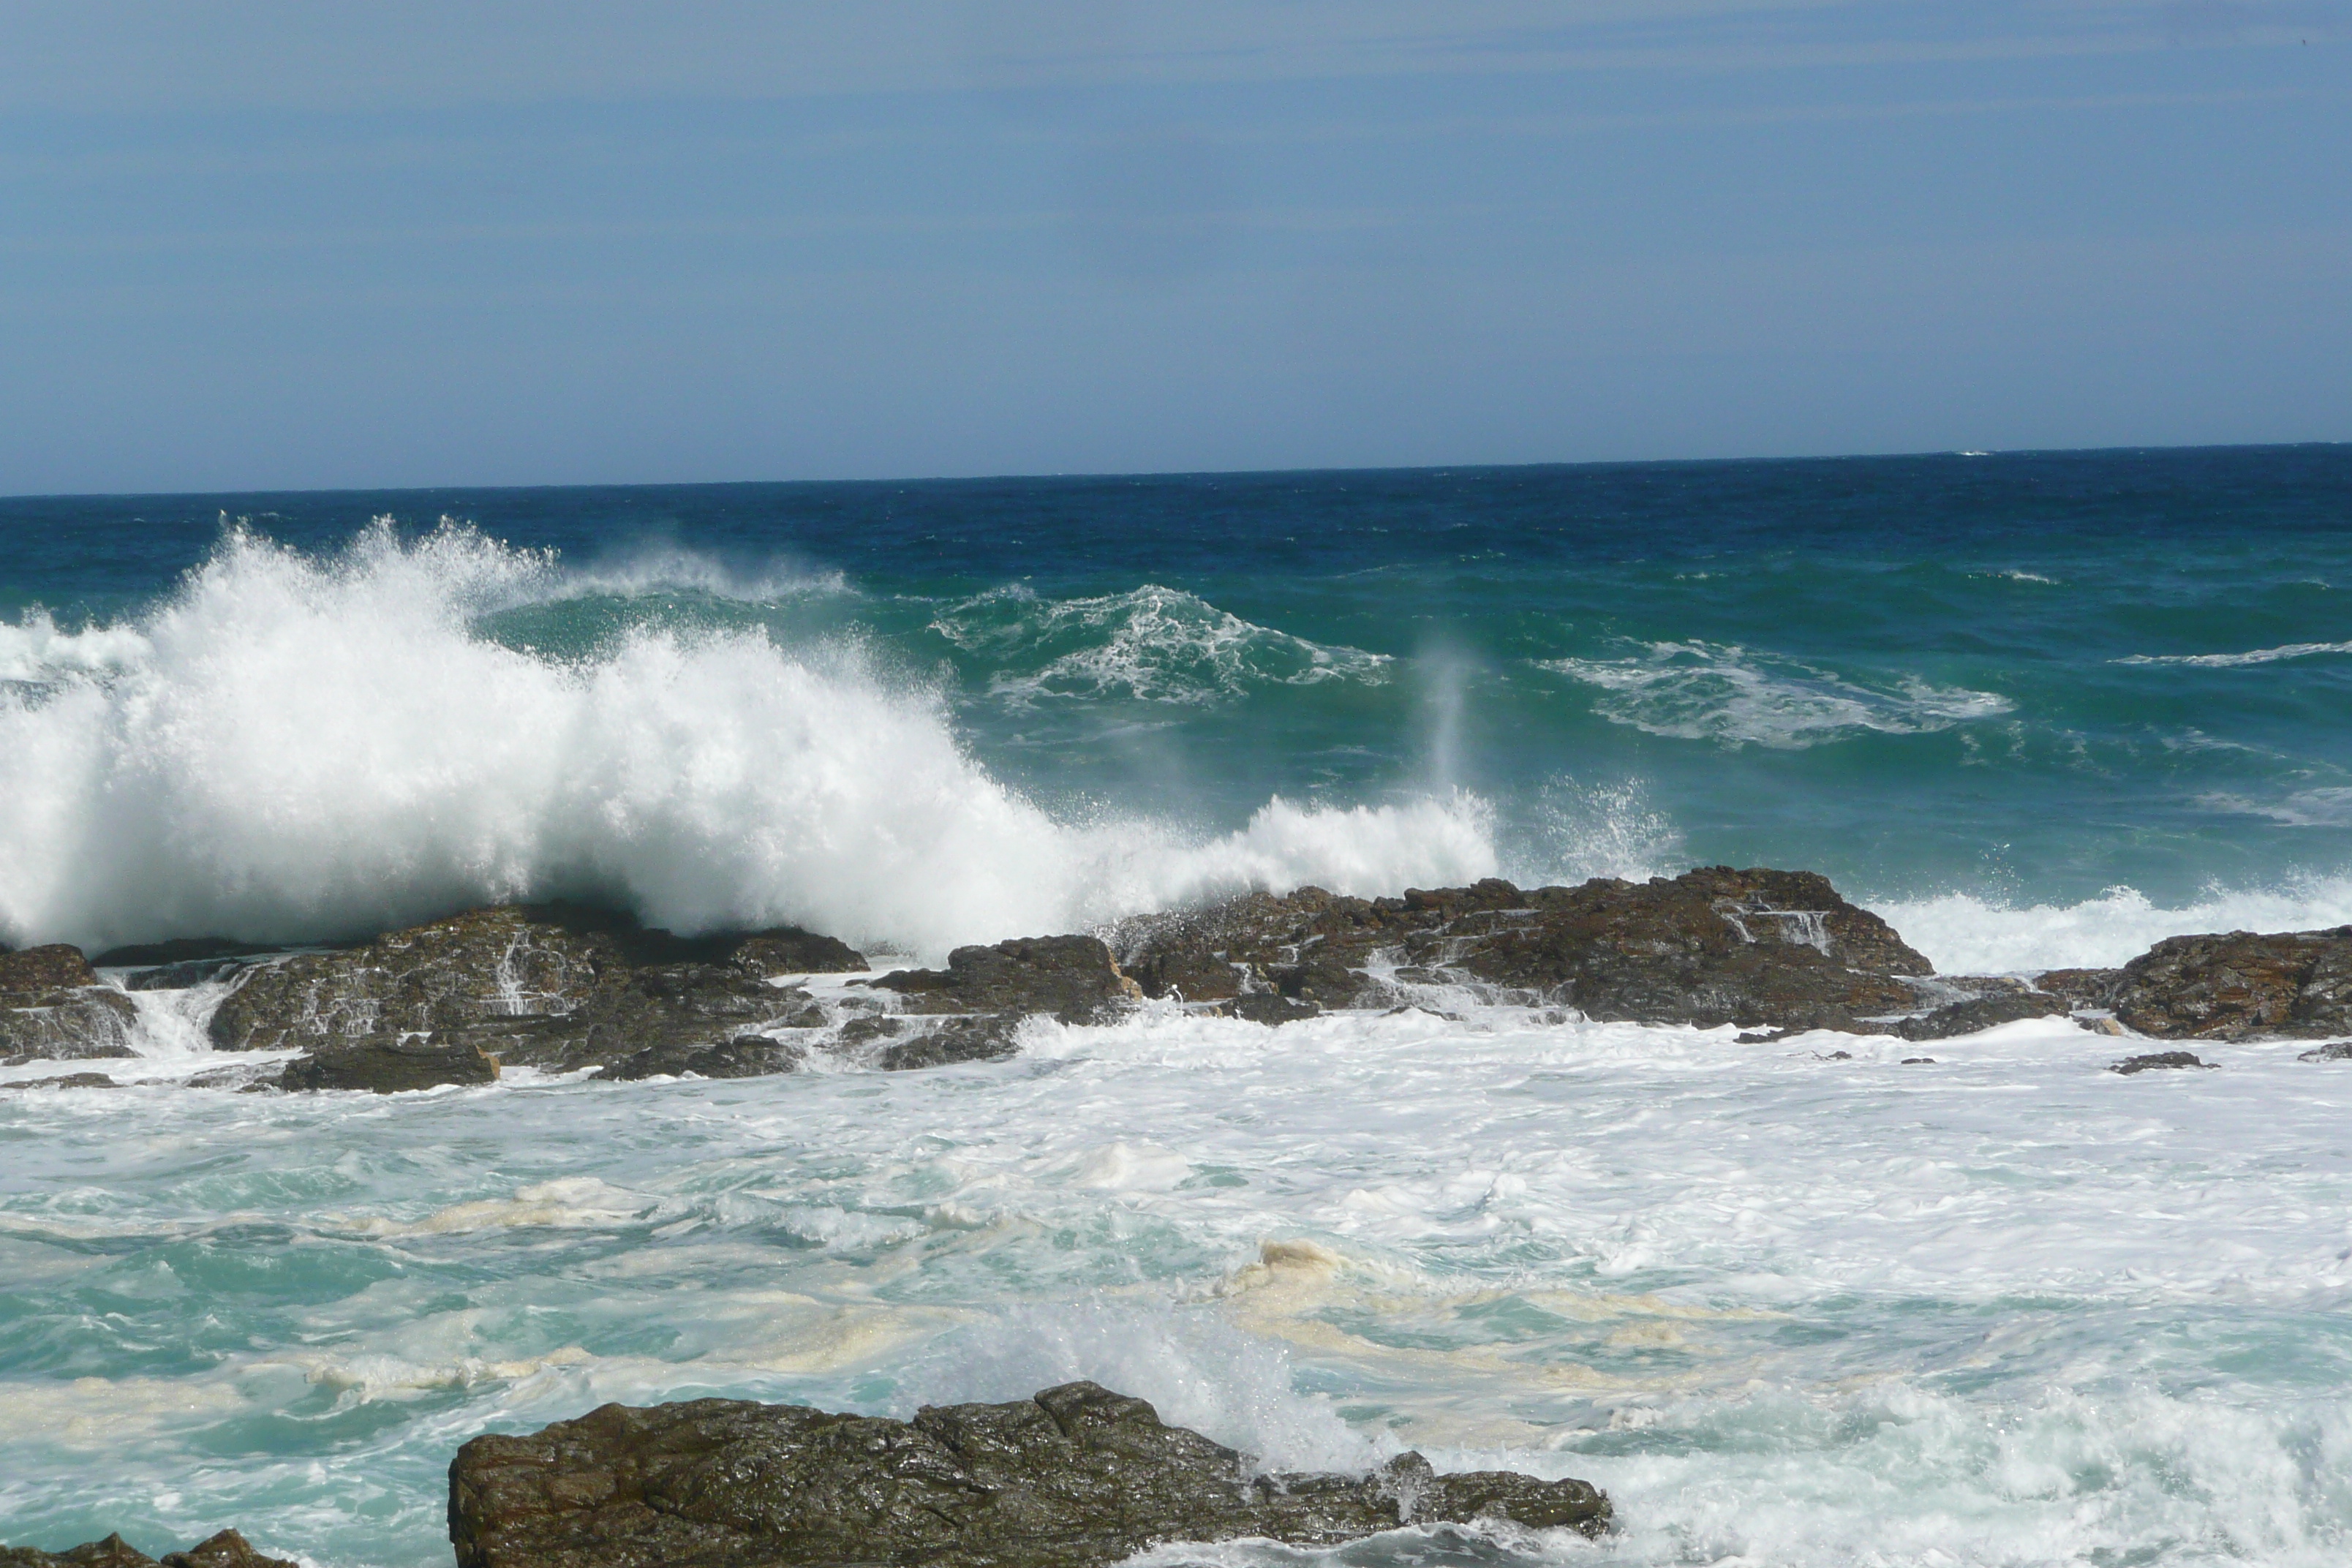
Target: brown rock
(1076,1478)
(388,1064)
(1073,978)
(52,1008)
(2239,986)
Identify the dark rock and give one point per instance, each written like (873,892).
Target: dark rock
(1981,1013)
(2339,1051)
(69,1080)
(180,950)
(788,950)
(1076,1478)
(53,1008)
(2080,987)
(1272,1008)
(747,1056)
(2158,1060)
(388,1064)
(226,1550)
(551,986)
(1775,949)
(2239,986)
(1073,978)
(987,1038)
(1918,1061)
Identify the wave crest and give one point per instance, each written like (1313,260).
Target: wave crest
(294,746)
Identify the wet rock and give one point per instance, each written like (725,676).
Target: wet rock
(2239,986)
(1272,1008)
(69,1080)
(1758,948)
(988,1039)
(226,1550)
(180,950)
(2158,1061)
(1918,1061)
(747,1056)
(1981,1013)
(788,950)
(1075,1478)
(181,976)
(2336,1051)
(554,986)
(388,1064)
(53,1008)
(1072,978)
(2080,987)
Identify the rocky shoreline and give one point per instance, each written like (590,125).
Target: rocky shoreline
(1074,1477)
(565,988)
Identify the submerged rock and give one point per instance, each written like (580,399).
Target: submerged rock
(748,1056)
(1075,1478)
(2239,985)
(53,1008)
(389,1064)
(554,986)
(69,1080)
(1756,948)
(1967,1018)
(226,1550)
(2158,1061)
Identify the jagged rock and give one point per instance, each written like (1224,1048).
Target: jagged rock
(2337,1051)
(1272,1008)
(552,985)
(2239,985)
(2158,1061)
(1981,1013)
(747,1056)
(788,950)
(1713,946)
(388,1064)
(989,1037)
(1077,1477)
(226,1550)
(53,1008)
(1073,978)
(2080,987)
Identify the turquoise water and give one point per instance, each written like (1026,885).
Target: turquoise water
(2005,1309)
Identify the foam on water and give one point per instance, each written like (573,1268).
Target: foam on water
(1787,1310)
(1965,934)
(292,747)
(1713,691)
(2238,660)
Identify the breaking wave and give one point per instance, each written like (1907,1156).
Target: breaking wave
(2232,660)
(1724,693)
(1153,644)
(299,746)
(1964,934)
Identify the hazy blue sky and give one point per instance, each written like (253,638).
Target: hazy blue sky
(247,245)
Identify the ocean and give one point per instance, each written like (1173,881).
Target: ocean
(2006,1308)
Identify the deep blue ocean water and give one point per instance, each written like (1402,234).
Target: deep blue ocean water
(1793,1307)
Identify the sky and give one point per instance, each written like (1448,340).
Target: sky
(256,245)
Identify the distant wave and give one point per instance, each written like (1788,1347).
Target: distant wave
(294,745)
(1964,934)
(1153,643)
(2229,660)
(1724,693)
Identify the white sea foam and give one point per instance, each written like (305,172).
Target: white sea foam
(1156,644)
(1965,934)
(2231,660)
(293,747)
(1730,695)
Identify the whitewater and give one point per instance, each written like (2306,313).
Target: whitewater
(1814,1303)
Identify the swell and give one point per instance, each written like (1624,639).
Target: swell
(294,746)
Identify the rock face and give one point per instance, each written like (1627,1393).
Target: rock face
(2239,985)
(1073,978)
(52,1007)
(2158,1061)
(1965,1017)
(226,1550)
(550,986)
(1075,1478)
(388,1064)
(1775,949)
